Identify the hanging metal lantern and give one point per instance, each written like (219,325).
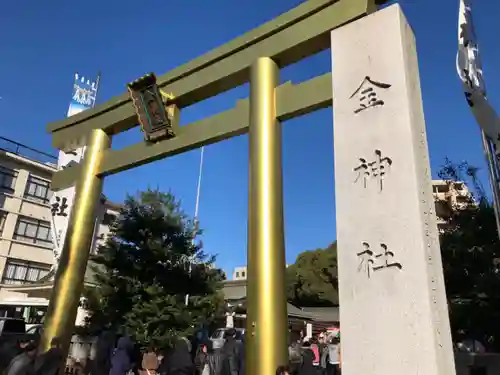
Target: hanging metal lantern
(155,120)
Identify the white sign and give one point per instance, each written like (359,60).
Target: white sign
(61,203)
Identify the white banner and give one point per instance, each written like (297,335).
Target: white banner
(61,202)
(470,70)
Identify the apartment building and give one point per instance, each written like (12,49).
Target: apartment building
(449,196)
(26,254)
(240,273)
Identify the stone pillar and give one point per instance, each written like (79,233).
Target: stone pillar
(393,311)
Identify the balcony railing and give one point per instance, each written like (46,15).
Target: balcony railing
(27,152)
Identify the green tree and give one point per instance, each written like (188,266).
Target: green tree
(312,279)
(470,250)
(142,274)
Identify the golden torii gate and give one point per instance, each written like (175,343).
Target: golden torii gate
(257,56)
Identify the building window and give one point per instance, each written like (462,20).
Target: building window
(8,179)
(3,217)
(237,274)
(32,230)
(108,219)
(38,189)
(441,188)
(243,273)
(20,272)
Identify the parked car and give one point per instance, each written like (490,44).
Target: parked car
(35,331)
(11,327)
(218,339)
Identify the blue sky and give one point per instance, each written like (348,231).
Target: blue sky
(44,43)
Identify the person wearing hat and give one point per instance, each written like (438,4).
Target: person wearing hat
(23,364)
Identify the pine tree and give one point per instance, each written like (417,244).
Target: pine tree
(142,274)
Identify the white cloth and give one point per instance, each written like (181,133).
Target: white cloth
(470,71)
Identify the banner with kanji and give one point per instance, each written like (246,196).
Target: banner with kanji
(83,97)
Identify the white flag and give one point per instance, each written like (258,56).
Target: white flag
(470,70)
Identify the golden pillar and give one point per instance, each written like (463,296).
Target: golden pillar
(267,328)
(68,284)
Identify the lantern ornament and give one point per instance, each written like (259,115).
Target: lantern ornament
(154,118)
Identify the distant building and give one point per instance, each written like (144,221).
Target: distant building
(449,196)
(235,293)
(240,273)
(26,255)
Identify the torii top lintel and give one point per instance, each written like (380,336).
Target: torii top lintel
(290,37)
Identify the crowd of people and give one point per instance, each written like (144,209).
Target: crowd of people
(185,358)
(19,357)
(319,355)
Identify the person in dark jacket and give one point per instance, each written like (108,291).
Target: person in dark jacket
(242,353)
(121,362)
(307,366)
(49,363)
(199,338)
(163,362)
(214,359)
(180,362)
(105,345)
(200,359)
(231,354)
(136,357)
(23,364)
(10,349)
